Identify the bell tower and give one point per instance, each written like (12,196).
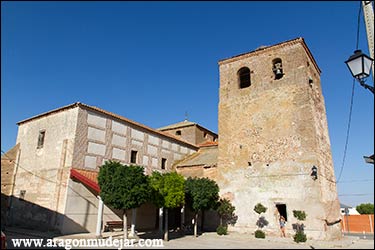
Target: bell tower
(274,146)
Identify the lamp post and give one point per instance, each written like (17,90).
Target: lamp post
(360,65)
(314,173)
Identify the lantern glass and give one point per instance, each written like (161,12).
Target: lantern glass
(359,65)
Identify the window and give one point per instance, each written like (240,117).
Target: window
(178,132)
(41,136)
(133,156)
(163,163)
(244,77)
(205,135)
(277,68)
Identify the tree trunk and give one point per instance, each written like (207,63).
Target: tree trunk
(125,226)
(196,225)
(161,221)
(134,217)
(221,221)
(166,231)
(202,224)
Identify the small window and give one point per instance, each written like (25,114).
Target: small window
(205,135)
(41,137)
(244,77)
(178,132)
(163,163)
(133,156)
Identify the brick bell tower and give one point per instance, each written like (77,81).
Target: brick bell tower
(273,138)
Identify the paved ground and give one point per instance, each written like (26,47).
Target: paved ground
(209,241)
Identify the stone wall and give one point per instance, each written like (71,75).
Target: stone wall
(271,135)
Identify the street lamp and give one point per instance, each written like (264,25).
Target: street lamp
(314,173)
(359,65)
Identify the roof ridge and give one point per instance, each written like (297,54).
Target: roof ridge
(263,47)
(97,109)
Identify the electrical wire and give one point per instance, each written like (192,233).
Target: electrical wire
(351,181)
(347,133)
(350,111)
(356,194)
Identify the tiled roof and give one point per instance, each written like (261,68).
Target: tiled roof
(263,48)
(87,177)
(208,144)
(206,157)
(184,123)
(139,125)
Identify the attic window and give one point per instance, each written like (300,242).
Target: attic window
(178,132)
(244,77)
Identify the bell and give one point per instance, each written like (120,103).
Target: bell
(278,72)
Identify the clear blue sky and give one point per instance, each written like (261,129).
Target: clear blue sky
(153,61)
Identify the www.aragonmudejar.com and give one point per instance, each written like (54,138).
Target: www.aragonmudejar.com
(88,243)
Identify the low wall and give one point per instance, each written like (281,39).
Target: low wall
(358,223)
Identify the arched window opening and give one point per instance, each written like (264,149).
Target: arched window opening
(244,77)
(277,68)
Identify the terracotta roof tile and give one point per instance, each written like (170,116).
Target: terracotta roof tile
(208,144)
(87,177)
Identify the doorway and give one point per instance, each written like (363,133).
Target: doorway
(281,208)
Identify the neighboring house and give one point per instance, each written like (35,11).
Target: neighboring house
(190,131)
(348,210)
(8,168)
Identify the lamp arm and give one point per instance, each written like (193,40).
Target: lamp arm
(371,88)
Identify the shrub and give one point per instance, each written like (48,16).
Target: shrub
(226,212)
(259,208)
(300,215)
(260,234)
(262,222)
(365,208)
(221,230)
(300,237)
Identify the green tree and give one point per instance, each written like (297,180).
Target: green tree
(201,194)
(123,187)
(168,191)
(365,208)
